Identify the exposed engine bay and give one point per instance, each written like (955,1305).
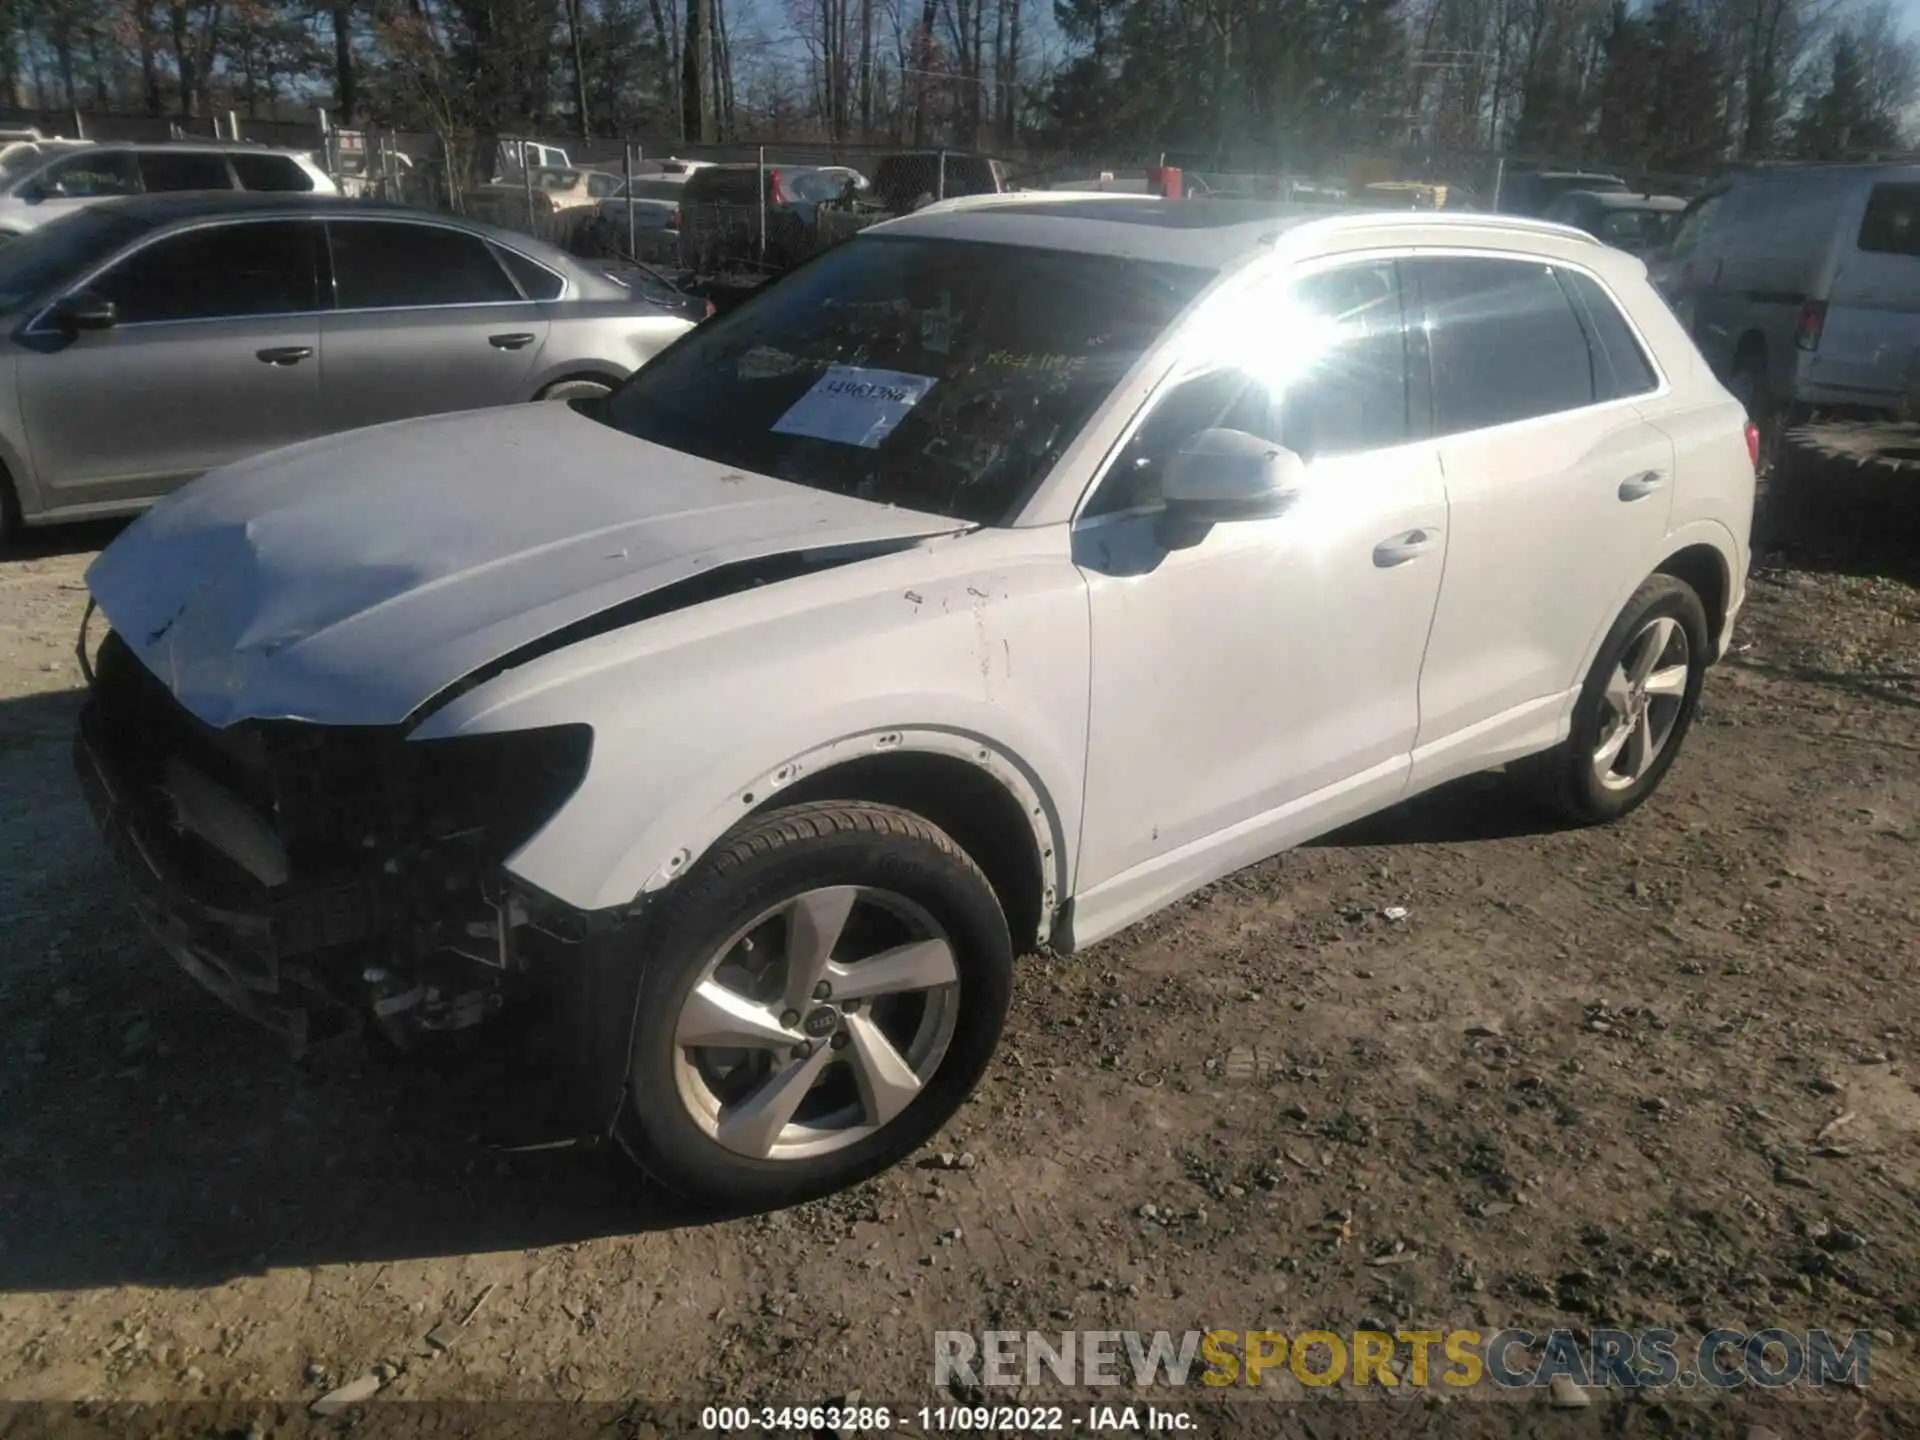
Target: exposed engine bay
(317,876)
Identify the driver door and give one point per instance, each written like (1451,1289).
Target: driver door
(213,358)
(1261,686)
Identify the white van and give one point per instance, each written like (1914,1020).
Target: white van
(1801,285)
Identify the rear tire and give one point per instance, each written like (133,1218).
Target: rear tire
(10,523)
(729,1022)
(1634,709)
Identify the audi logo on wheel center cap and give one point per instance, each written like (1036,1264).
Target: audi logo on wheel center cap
(822,1022)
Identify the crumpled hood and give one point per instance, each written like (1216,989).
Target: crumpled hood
(347,580)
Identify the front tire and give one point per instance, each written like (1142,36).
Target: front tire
(817,998)
(1635,707)
(575,390)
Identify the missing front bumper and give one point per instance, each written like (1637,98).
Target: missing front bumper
(234,948)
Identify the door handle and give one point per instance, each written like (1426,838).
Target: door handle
(283,354)
(1638,487)
(1402,548)
(516,341)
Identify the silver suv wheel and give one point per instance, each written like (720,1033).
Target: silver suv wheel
(816,1023)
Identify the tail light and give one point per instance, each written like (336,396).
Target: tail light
(709,316)
(1811,321)
(776,192)
(1753,444)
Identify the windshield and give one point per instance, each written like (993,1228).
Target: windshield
(941,376)
(47,260)
(17,162)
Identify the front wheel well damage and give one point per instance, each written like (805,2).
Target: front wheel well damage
(967,802)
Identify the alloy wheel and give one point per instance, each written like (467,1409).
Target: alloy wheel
(1643,699)
(817,1023)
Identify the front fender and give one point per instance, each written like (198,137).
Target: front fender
(991,754)
(698,715)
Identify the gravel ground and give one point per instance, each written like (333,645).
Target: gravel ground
(1452,1068)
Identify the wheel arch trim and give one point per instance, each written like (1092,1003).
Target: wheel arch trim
(653,862)
(1001,765)
(1697,534)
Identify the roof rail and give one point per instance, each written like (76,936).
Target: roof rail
(1356,219)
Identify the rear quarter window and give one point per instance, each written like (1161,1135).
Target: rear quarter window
(539,282)
(275,174)
(1891,225)
(1620,366)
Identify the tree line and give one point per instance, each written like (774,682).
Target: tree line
(1662,85)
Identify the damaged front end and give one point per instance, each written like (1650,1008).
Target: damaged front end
(317,876)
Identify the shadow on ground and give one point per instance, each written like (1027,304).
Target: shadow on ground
(1490,806)
(41,542)
(149,1136)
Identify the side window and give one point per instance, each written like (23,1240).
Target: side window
(1352,396)
(1620,367)
(390,265)
(539,282)
(1891,225)
(91,174)
(277,174)
(218,272)
(1506,343)
(184,170)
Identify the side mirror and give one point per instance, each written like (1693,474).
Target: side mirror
(83,310)
(33,192)
(1225,475)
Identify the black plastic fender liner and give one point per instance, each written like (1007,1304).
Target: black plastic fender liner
(597,993)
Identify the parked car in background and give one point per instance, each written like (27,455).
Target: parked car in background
(570,188)
(1107,183)
(1402,195)
(1801,285)
(75,178)
(910,178)
(513,158)
(542,203)
(1530,192)
(723,209)
(153,338)
(923,611)
(653,215)
(18,156)
(1619,218)
(669,165)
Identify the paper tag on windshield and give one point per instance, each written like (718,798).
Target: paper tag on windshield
(854,405)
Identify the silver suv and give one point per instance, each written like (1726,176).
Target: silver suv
(42,186)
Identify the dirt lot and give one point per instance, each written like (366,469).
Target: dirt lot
(1662,1074)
